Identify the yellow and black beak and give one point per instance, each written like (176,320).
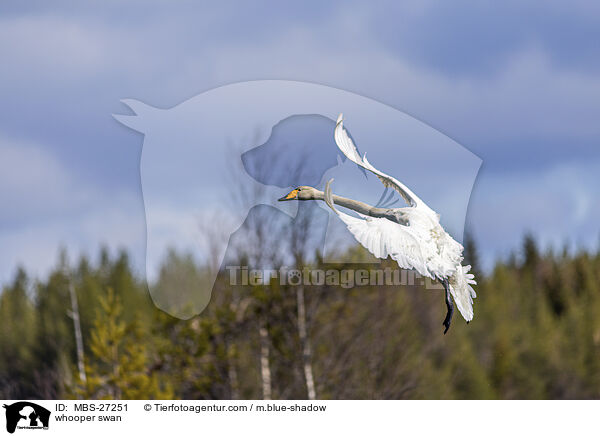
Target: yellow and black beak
(291,196)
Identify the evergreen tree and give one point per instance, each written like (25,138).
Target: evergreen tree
(119,367)
(536,334)
(17,340)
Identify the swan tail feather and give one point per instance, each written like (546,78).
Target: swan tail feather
(462,291)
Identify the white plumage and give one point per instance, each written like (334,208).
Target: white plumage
(421,244)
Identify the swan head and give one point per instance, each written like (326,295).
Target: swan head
(301,193)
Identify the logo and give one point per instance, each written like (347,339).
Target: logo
(213,167)
(26,415)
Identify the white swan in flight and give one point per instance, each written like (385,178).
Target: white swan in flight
(412,236)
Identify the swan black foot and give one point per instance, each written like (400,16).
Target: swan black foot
(449,306)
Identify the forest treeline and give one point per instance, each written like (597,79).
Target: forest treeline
(536,335)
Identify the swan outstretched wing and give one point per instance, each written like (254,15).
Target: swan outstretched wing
(346,146)
(384,238)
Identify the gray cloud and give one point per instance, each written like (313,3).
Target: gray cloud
(517,84)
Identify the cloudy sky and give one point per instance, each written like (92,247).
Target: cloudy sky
(517,83)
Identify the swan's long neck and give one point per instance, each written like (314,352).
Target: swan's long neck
(355,205)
